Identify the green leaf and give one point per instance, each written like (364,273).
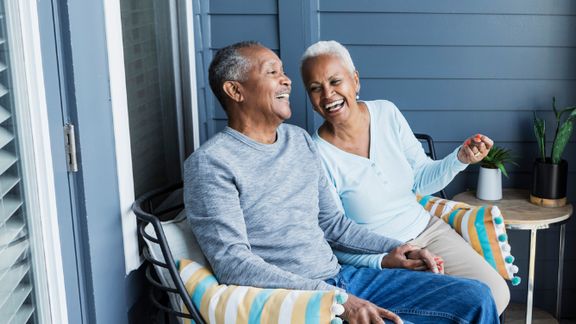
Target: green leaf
(554,107)
(572,115)
(540,132)
(502,169)
(497,158)
(570,110)
(562,137)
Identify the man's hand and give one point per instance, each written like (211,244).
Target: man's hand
(410,257)
(433,263)
(360,311)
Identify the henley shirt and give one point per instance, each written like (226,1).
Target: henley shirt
(379,192)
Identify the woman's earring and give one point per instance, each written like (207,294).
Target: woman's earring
(357,96)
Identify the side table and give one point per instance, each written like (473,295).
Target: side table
(520,214)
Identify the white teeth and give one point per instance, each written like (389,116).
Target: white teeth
(283,96)
(334,105)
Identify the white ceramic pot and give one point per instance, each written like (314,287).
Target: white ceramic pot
(489,184)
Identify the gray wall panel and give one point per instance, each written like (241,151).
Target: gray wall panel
(470,94)
(464,62)
(450,29)
(245,7)
(229,29)
(536,7)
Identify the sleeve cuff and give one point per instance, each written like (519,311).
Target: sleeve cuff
(456,164)
(378,261)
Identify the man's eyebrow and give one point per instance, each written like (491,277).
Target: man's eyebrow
(271,63)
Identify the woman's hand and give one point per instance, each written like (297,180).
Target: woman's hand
(410,257)
(475,148)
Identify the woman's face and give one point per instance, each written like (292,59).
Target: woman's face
(331,87)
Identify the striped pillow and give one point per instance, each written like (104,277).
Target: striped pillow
(240,304)
(482,227)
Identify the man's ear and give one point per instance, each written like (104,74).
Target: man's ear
(232,90)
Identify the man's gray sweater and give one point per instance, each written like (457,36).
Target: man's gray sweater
(264,215)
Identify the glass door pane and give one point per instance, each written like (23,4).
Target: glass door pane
(151,93)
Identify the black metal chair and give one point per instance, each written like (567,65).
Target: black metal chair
(161,271)
(430,150)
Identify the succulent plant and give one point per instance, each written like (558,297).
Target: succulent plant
(496,159)
(561,135)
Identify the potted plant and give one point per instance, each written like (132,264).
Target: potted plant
(491,169)
(550,172)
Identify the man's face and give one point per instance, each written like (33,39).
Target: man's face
(266,90)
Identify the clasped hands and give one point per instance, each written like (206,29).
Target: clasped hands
(360,311)
(410,257)
(475,148)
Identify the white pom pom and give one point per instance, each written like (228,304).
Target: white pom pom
(496,211)
(341,296)
(513,268)
(337,309)
(506,247)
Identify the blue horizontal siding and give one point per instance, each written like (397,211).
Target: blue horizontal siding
(457,62)
(243,7)
(532,7)
(229,29)
(449,29)
(470,94)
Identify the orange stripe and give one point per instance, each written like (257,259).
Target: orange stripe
(325,304)
(494,244)
(246,305)
(184,263)
(473,234)
(223,302)
(458,221)
(299,312)
(271,309)
(195,279)
(205,304)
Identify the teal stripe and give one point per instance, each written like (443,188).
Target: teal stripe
(313,308)
(483,237)
(201,289)
(452,217)
(258,305)
(425,200)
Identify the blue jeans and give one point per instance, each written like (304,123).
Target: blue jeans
(420,297)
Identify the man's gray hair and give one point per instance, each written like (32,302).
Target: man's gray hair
(229,64)
(328,48)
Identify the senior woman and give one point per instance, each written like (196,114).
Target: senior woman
(376,165)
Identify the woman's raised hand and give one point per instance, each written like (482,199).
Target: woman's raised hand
(475,148)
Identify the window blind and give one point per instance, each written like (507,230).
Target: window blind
(16,281)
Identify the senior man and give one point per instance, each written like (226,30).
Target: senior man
(261,208)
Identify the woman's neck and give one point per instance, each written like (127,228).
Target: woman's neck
(351,128)
(351,135)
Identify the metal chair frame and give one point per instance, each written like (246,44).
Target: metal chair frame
(431,153)
(145,211)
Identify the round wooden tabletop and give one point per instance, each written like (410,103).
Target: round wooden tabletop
(517,209)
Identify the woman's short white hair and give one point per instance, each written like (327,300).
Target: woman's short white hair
(328,48)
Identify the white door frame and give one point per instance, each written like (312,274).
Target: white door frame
(185,78)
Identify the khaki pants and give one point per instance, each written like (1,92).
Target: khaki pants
(461,260)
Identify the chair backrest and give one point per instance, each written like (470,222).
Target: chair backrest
(430,150)
(167,241)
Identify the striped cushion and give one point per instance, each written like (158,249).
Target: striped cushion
(240,304)
(481,226)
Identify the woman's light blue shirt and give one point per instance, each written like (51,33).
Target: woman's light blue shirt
(379,192)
